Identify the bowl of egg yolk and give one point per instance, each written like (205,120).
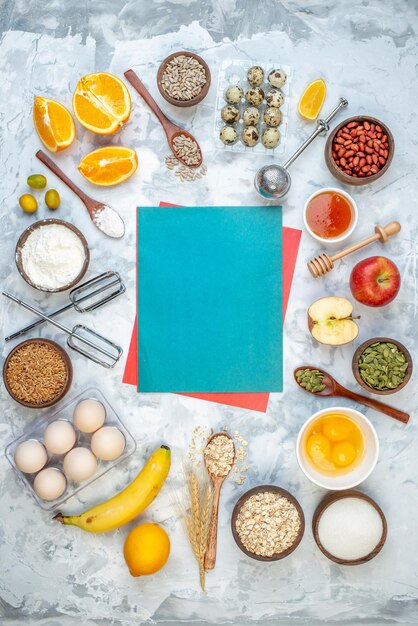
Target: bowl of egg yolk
(337,448)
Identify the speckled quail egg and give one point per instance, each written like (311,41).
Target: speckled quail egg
(277,78)
(270,137)
(230,114)
(255,96)
(272,116)
(255,75)
(250,135)
(251,116)
(234,94)
(275,98)
(228,135)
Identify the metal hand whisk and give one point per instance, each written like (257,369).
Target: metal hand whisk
(76,341)
(273,181)
(88,296)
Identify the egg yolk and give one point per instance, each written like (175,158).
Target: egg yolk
(336,428)
(334,444)
(318,447)
(343,454)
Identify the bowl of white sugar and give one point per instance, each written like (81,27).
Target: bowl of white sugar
(52,255)
(349,527)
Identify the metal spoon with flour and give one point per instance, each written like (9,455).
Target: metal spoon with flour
(103,216)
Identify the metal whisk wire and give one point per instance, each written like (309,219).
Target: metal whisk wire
(85,293)
(73,334)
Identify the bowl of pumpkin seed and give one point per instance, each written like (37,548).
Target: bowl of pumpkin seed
(382,365)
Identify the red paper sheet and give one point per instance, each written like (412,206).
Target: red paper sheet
(252,401)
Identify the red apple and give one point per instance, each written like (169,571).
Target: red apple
(375,281)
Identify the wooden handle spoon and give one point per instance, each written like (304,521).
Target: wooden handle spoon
(103,216)
(333,388)
(171,130)
(217,482)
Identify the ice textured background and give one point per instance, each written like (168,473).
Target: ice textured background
(366,51)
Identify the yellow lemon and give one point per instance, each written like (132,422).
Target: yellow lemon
(146,549)
(312,99)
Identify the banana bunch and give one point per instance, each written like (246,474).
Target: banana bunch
(130,502)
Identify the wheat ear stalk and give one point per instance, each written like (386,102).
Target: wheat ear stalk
(204,532)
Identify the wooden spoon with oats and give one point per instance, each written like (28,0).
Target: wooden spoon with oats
(219,455)
(182,144)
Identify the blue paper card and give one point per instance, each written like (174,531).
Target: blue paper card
(210,299)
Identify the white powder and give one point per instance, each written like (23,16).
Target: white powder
(53,256)
(110,222)
(350,528)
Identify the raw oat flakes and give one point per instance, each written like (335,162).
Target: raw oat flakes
(267,524)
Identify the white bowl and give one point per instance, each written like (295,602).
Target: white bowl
(354,219)
(360,472)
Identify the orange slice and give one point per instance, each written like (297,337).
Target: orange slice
(109,166)
(312,99)
(101,103)
(54,124)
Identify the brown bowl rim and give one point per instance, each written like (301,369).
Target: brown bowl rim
(351,180)
(184,103)
(360,350)
(330,499)
(68,364)
(271,489)
(22,239)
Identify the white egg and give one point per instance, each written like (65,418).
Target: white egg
(108,443)
(59,437)
(50,483)
(89,415)
(30,456)
(79,464)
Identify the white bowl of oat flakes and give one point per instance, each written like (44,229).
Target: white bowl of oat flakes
(267,523)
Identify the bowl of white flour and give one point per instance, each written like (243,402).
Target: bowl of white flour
(52,255)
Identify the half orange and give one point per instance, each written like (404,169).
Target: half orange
(101,103)
(53,123)
(312,99)
(109,166)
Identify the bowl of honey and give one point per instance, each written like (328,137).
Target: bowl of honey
(337,448)
(330,215)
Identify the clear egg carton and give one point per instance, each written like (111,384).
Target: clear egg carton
(65,412)
(234,72)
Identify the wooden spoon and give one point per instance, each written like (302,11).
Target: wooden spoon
(333,388)
(171,130)
(94,207)
(217,482)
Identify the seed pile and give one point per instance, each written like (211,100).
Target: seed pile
(187,150)
(360,149)
(186,174)
(36,373)
(311,380)
(219,455)
(267,524)
(383,366)
(183,78)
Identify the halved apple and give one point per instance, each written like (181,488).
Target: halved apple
(330,321)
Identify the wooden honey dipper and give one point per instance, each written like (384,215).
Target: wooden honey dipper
(322,264)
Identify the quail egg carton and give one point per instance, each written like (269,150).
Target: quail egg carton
(234,72)
(65,412)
